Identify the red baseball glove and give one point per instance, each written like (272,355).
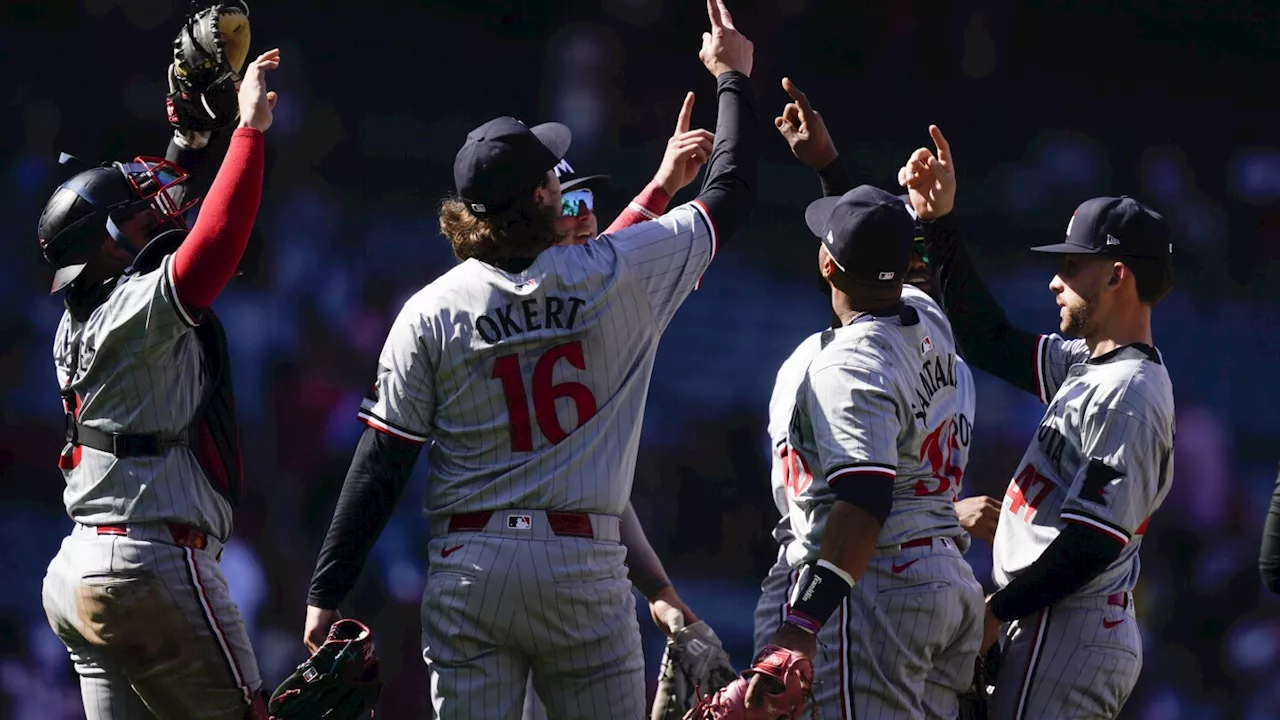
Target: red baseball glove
(790,681)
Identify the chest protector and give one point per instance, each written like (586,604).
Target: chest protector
(213,436)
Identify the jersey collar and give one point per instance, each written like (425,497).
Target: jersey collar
(1132,351)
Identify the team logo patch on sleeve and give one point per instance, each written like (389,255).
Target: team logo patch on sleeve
(1097,476)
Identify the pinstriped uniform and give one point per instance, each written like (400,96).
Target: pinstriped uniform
(148,622)
(885,396)
(776,587)
(531,387)
(1103,458)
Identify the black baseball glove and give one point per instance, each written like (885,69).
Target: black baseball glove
(339,682)
(974,701)
(209,54)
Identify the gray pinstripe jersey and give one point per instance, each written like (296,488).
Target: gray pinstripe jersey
(782,405)
(891,397)
(1102,457)
(532,385)
(139,372)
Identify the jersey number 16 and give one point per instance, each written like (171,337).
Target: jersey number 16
(545,395)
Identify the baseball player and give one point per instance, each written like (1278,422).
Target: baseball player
(577,225)
(873,456)
(527,368)
(152,464)
(1101,461)
(806,133)
(1269,553)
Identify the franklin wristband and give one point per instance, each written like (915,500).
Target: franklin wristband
(818,592)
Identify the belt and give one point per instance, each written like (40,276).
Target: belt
(183,535)
(1120,599)
(121,444)
(924,542)
(569,524)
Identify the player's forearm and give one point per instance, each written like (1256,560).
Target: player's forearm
(1079,554)
(646,570)
(983,331)
(208,257)
(650,204)
(374,484)
(835,178)
(190,151)
(729,191)
(850,537)
(1269,557)
(848,542)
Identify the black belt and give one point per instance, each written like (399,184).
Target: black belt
(123,444)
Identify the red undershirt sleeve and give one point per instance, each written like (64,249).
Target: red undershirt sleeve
(208,257)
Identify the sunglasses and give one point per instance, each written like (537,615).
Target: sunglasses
(577,202)
(918,245)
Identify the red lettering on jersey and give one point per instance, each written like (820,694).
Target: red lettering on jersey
(506,369)
(938,449)
(1027,491)
(1142,529)
(796,477)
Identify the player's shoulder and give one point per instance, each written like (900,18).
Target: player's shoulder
(1073,349)
(867,347)
(804,353)
(1132,379)
(679,219)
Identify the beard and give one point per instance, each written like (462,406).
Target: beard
(1079,320)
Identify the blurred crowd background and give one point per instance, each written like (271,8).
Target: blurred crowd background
(1045,104)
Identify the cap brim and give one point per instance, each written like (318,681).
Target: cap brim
(593,182)
(65,276)
(1064,249)
(817,215)
(555,136)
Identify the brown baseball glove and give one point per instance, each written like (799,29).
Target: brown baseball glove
(790,679)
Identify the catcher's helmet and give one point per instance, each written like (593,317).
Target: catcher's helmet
(86,210)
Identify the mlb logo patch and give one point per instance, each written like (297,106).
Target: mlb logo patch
(527,286)
(520,522)
(926,345)
(887,275)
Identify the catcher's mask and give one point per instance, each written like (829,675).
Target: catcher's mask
(101,198)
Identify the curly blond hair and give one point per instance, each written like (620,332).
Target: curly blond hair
(521,231)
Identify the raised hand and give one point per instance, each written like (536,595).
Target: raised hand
(687,151)
(256,103)
(930,179)
(803,129)
(724,48)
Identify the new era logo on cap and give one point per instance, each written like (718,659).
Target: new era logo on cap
(1120,226)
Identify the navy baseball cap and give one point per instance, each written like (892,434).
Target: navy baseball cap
(1122,227)
(867,231)
(571,180)
(504,159)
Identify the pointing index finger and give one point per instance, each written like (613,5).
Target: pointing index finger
(802,100)
(725,18)
(944,148)
(686,114)
(713,12)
